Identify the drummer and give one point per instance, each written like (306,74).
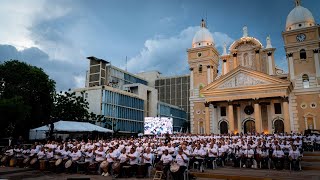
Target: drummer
(147,159)
(75,156)
(166,159)
(111,157)
(133,157)
(295,157)
(182,161)
(41,154)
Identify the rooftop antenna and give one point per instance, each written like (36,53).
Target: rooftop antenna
(207,20)
(126,63)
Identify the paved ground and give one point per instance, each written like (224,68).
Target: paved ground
(222,173)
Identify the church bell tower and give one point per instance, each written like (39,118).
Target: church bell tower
(203,59)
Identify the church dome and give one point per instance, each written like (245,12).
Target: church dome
(299,17)
(203,37)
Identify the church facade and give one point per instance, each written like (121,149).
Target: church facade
(252,94)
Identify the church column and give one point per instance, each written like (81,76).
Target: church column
(257,116)
(291,67)
(230,117)
(316,61)
(235,62)
(191,81)
(239,118)
(207,118)
(209,74)
(224,70)
(286,119)
(214,119)
(258,60)
(270,65)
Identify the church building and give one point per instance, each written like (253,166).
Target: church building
(252,94)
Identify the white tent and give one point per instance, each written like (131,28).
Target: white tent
(66,126)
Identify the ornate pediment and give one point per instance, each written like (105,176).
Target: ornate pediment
(241,80)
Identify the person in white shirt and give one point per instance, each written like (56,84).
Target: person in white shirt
(41,154)
(49,154)
(147,159)
(182,160)
(133,160)
(247,157)
(278,158)
(111,157)
(100,154)
(166,159)
(88,156)
(212,155)
(295,157)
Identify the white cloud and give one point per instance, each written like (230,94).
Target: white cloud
(79,81)
(168,54)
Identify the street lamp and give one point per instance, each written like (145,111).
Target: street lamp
(2,86)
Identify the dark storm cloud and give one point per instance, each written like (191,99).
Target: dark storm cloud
(60,71)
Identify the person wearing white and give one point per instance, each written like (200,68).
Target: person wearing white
(294,157)
(166,159)
(182,160)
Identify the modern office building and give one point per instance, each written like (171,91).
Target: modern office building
(174,90)
(178,115)
(101,72)
(122,97)
(126,110)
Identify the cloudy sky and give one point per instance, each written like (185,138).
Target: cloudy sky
(154,34)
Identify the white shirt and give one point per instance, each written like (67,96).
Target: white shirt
(180,161)
(75,155)
(100,156)
(112,155)
(150,156)
(166,158)
(294,154)
(134,161)
(122,158)
(278,153)
(41,154)
(248,153)
(89,157)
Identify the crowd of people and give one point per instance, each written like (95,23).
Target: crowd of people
(171,154)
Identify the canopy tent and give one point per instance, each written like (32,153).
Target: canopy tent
(66,127)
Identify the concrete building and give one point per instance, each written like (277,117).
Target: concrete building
(124,109)
(172,90)
(122,97)
(252,94)
(178,115)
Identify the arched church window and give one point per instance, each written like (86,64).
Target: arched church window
(305,81)
(245,59)
(303,54)
(200,68)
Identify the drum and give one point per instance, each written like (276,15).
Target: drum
(13,162)
(26,160)
(33,161)
(20,162)
(141,171)
(116,167)
(68,164)
(58,162)
(42,166)
(159,166)
(4,159)
(93,167)
(52,165)
(174,167)
(104,166)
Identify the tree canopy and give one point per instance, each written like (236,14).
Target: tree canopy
(27,99)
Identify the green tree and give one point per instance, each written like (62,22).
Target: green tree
(26,86)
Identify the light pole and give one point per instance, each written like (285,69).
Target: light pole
(113,111)
(2,86)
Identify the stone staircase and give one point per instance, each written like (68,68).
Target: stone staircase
(311,161)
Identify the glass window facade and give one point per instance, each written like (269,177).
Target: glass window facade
(126,112)
(175,91)
(179,116)
(120,78)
